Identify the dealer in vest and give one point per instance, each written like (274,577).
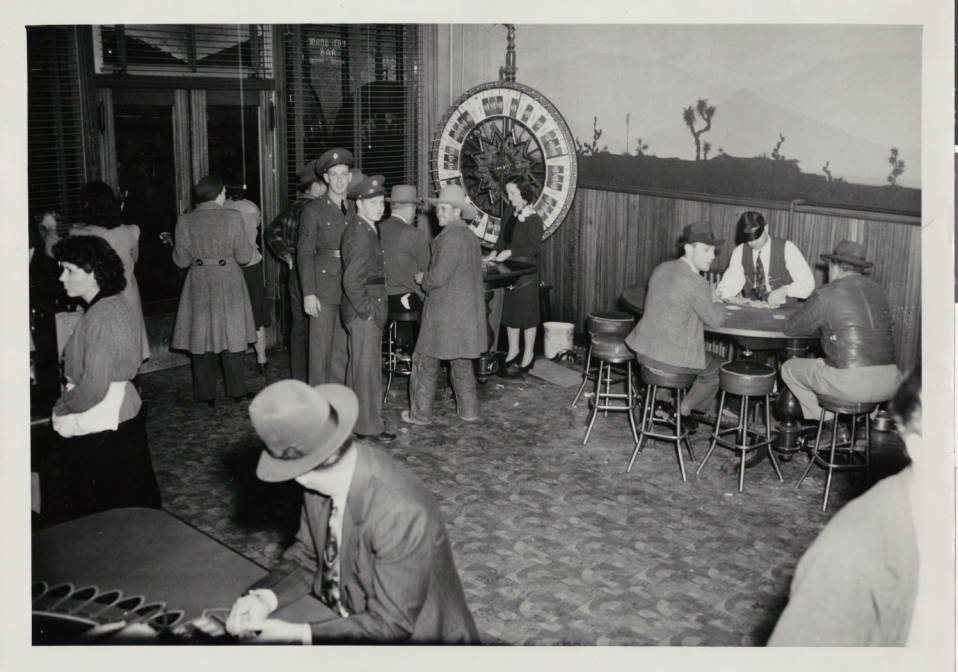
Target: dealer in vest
(764,268)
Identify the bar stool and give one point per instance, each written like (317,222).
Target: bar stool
(611,350)
(838,407)
(610,322)
(653,380)
(749,380)
(395,362)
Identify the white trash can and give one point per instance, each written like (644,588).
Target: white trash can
(558,337)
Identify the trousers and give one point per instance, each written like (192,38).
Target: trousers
(204,374)
(425,378)
(297,330)
(328,347)
(364,374)
(702,392)
(807,378)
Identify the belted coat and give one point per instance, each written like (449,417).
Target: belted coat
(214,313)
(454,314)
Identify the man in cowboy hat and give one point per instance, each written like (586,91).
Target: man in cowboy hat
(454,313)
(406,253)
(371,544)
(670,337)
(319,259)
(764,268)
(853,315)
(281,237)
(364,309)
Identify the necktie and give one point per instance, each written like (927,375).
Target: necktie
(760,277)
(342,206)
(331,566)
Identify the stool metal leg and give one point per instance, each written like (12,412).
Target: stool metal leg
(390,358)
(831,461)
(813,453)
(646,403)
(718,422)
(585,376)
(630,400)
(768,437)
(595,402)
(743,439)
(678,432)
(868,448)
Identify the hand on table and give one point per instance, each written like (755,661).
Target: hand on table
(311,305)
(276,631)
(777,297)
(247,610)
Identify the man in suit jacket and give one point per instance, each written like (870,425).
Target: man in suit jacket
(454,314)
(371,542)
(406,253)
(670,336)
(364,310)
(319,258)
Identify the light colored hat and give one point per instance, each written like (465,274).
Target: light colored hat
(300,426)
(455,195)
(404,193)
(849,252)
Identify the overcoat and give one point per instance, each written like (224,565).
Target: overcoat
(397,574)
(214,312)
(454,313)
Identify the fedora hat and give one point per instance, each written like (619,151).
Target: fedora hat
(455,195)
(333,157)
(404,193)
(300,426)
(368,187)
(307,174)
(849,252)
(700,232)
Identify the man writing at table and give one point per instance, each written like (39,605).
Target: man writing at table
(371,543)
(670,336)
(764,268)
(852,313)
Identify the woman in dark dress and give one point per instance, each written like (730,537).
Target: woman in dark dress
(520,239)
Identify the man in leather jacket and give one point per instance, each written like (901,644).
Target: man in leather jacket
(852,313)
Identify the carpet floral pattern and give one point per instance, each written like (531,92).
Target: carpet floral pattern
(555,543)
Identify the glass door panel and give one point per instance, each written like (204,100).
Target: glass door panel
(232,133)
(146,175)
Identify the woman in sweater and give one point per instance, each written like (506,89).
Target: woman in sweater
(102,457)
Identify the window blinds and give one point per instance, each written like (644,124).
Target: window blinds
(353,86)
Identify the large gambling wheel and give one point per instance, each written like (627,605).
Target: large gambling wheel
(499,129)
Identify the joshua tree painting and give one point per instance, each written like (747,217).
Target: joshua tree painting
(705,113)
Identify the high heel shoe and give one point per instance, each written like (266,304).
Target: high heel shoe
(262,366)
(509,366)
(527,368)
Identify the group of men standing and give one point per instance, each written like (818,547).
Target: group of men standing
(349,270)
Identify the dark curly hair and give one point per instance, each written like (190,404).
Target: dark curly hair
(94,255)
(100,206)
(526,189)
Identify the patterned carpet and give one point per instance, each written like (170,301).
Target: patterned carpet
(554,542)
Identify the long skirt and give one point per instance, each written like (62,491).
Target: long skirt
(85,474)
(257,294)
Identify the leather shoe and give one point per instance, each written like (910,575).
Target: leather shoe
(248,396)
(407,417)
(261,366)
(382,437)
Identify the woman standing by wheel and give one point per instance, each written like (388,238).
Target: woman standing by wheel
(101,458)
(521,240)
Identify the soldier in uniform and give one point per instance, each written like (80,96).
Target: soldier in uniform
(319,258)
(281,237)
(364,309)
